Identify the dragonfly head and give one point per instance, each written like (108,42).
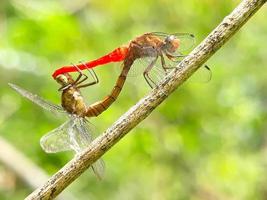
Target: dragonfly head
(64,79)
(171,44)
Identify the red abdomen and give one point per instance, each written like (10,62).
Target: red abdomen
(117,55)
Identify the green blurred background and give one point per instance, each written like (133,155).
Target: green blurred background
(206,141)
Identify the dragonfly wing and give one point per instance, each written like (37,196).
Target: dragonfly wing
(139,66)
(57,140)
(75,134)
(157,73)
(37,99)
(186,43)
(98,168)
(81,134)
(84,137)
(202,75)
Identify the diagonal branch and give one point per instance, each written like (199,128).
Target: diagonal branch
(219,36)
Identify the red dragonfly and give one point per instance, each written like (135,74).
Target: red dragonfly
(148,48)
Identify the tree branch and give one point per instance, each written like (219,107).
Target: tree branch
(145,106)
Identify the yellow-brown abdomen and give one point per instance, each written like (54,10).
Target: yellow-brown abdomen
(100,106)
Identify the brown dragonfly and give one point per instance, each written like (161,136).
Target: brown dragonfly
(152,54)
(75,134)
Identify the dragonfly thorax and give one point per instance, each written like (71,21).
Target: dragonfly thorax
(71,98)
(72,101)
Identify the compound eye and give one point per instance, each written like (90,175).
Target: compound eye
(172,43)
(170,38)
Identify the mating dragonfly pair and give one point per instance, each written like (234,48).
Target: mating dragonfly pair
(158,52)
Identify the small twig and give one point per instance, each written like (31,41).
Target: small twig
(145,106)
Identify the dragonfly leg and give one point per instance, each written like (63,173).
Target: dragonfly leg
(92,73)
(173,57)
(87,84)
(148,79)
(94,76)
(163,63)
(78,81)
(63,87)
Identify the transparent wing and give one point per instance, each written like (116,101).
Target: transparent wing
(72,135)
(137,68)
(37,99)
(81,133)
(99,168)
(58,139)
(69,136)
(156,73)
(76,135)
(202,75)
(84,138)
(187,40)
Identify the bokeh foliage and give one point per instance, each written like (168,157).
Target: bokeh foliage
(207,141)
